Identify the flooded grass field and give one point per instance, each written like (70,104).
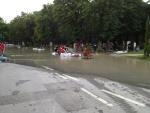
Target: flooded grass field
(120,69)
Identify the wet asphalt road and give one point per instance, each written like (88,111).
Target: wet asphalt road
(25,89)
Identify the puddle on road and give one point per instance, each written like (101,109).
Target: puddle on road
(121,69)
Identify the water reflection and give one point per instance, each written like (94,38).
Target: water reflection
(116,68)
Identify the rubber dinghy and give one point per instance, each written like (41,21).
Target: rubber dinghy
(70,55)
(120,52)
(38,49)
(66,52)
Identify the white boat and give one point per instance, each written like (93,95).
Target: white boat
(54,53)
(65,55)
(120,52)
(76,55)
(68,53)
(38,49)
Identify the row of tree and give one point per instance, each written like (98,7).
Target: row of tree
(67,21)
(3,29)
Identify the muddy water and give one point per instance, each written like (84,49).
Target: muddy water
(121,69)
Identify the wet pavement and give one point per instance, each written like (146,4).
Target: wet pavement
(25,89)
(122,69)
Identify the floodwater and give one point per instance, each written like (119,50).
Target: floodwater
(122,69)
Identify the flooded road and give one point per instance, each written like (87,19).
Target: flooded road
(122,69)
(26,89)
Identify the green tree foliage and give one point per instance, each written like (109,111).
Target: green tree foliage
(46,28)
(69,14)
(22,29)
(147,38)
(3,30)
(105,14)
(66,21)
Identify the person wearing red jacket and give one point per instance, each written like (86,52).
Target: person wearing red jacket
(61,50)
(2,48)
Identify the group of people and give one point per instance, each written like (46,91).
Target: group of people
(77,51)
(61,49)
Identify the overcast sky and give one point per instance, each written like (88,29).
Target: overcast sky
(11,8)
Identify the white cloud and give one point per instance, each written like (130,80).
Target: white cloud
(11,8)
